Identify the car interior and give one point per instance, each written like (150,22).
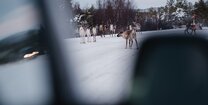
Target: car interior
(41,64)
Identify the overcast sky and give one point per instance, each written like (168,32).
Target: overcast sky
(138,3)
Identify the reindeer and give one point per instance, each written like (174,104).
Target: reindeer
(88,32)
(129,35)
(101,30)
(190,26)
(94,32)
(82,34)
(137,27)
(112,30)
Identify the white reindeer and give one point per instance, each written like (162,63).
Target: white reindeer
(82,34)
(111,30)
(94,32)
(88,35)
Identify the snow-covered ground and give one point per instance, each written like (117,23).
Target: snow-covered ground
(103,69)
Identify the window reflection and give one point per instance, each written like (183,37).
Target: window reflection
(24,77)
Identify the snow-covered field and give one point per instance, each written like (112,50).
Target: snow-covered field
(103,69)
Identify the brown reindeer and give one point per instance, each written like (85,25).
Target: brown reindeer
(130,36)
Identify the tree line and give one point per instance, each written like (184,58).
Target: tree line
(123,12)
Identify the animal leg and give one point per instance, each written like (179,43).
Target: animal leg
(126,43)
(192,31)
(130,43)
(136,43)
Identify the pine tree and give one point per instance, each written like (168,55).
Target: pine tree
(201,10)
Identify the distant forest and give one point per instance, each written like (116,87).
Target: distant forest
(123,12)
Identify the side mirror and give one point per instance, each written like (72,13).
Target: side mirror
(172,70)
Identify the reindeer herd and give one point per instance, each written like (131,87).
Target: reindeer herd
(88,34)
